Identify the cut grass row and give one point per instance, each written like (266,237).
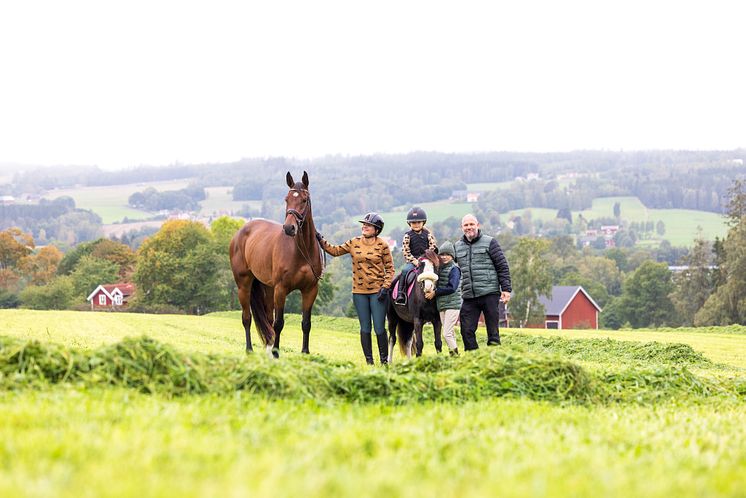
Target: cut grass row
(332,337)
(151,366)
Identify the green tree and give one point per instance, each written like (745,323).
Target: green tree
(531,278)
(91,272)
(223,229)
(660,228)
(693,285)
(612,316)
(617,210)
(645,298)
(56,295)
(727,304)
(178,266)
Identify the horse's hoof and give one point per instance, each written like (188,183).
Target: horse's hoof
(275,353)
(305,351)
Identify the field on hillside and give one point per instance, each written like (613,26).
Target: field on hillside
(220,201)
(86,412)
(681,224)
(110,202)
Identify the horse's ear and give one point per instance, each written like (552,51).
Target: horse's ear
(289,179)
(305,180)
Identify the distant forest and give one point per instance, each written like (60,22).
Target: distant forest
(344,186)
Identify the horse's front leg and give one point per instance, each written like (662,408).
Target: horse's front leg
(437,329)
(418,325)
(392,331)
(309,296)
(279,303)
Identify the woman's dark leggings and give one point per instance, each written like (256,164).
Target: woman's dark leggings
(368,306)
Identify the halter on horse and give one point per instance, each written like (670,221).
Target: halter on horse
(270,260)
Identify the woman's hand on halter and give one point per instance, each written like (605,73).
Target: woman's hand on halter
(430,294)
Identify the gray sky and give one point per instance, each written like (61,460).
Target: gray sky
(120,84)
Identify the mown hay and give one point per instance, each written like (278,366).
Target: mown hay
(153,367)
(611,351)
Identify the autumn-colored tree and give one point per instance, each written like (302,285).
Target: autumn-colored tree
(104,249)
(41,267)
(14,245)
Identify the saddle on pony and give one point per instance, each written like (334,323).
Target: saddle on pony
(408,285)
(415,274)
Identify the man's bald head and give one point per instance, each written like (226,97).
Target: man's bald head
(470,226)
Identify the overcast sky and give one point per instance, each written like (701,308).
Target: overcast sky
(118,84)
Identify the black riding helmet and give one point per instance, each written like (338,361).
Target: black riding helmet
(375,220)
(416,214)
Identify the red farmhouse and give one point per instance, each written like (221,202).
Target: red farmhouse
(109,297)
(570,307)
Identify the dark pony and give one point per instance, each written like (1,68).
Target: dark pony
(406,321)
(270,260)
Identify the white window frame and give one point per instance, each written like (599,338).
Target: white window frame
(117,299)
(547,322)
(102,299)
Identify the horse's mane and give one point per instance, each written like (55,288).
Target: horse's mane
(432,256)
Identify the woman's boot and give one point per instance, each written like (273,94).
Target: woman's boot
(383,347)
(367,343)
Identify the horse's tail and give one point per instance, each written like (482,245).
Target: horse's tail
(405,331)
(261,313)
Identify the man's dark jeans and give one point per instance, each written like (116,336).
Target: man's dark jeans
(470,311)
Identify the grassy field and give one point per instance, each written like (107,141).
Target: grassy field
(220,201)
(681,224)
(110,202)
(76,439)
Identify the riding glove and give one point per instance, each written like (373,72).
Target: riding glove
(383,294)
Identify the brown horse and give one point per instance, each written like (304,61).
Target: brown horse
(270,260)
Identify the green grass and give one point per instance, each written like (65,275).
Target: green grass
(79,438)
(110,202)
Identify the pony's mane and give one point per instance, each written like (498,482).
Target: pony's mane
(432,256)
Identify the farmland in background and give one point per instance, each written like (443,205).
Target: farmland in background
(220,201)
(110,202)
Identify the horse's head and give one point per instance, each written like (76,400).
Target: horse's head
(297,205)
(427,275)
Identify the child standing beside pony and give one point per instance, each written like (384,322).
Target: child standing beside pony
(448,294)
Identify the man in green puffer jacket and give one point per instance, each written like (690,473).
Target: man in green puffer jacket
(485,281)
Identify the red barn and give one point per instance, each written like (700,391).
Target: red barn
(570,307)
(110,297)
